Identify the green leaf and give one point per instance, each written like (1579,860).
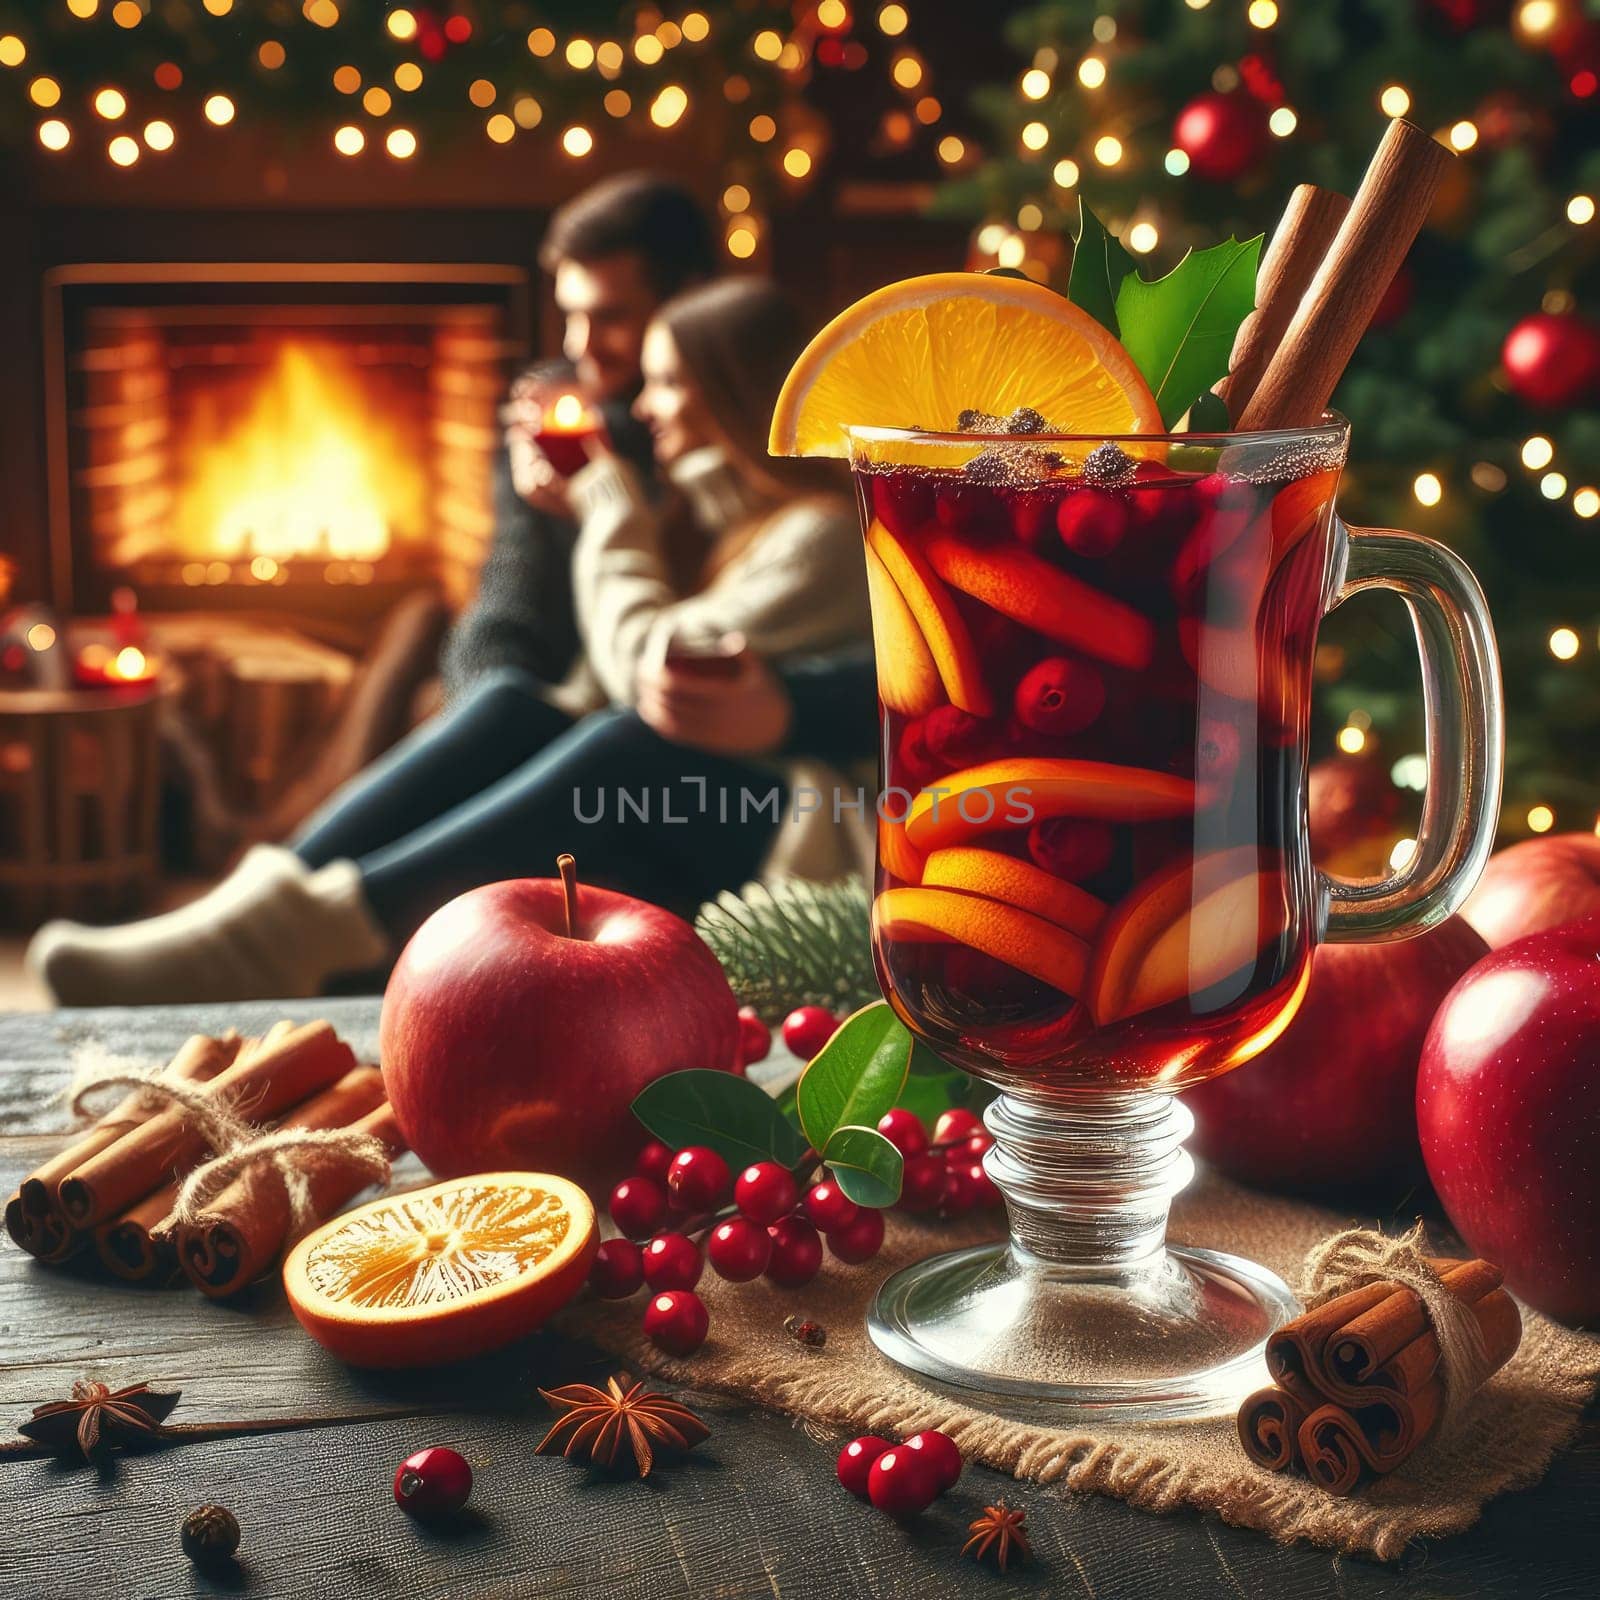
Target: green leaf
(1099,265)
(926,1094)
(736,1118)
(865,1165)
(1180,329)
(857,1076)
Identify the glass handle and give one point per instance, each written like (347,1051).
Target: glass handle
(1465,736)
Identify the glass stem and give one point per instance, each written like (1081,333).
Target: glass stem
(1088,1178)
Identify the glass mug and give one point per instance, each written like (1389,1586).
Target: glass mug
(1094,886)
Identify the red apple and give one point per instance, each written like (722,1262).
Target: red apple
(1328,1106)
(1508,1106)
(1353,812)
(508,1044)
(1538,884)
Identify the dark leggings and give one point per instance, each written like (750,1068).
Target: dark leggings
(501,782)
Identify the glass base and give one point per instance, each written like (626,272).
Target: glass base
(1086,1309)
(1182,1337)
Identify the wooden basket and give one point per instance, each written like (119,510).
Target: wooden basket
(79,776)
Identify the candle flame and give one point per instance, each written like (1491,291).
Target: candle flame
(568,412)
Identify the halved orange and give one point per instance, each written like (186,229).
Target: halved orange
(443,1273)
(918,353)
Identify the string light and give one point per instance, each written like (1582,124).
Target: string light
(1563,643)
(158,135)
(833,13)
(219,109)
(217,8)
(54,134)
(929,110)
(1427,488)
(1105,29)
(1035,83)
(951,149)
(1091,72)
(1553,485)
(1537,17)
(1035,136)
(1580,210)
(1463,135)
(1395,101)
(1262,13)
(1541,819)
(670,34)
(577,141)
(500,128)
(401,143)
(892,20)
(123,150)
(87,8)
(1283,121)
(402,24)
(44,92)
(322,13)
(1586,502)
(608,57)
(796,162)
(1108,150)
(1143,238)
(542,42)
(618,102)
(1012,251)
(1176,162)
(1537,452)
(669,105)
(1065,173)
(696,25)
(349,140)
(110,104)
(169,75)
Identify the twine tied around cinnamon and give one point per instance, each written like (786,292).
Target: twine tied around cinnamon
(238,1145)
(1358,1256)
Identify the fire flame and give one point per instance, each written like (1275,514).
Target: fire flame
(309,468)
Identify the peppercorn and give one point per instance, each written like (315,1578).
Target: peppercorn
(210,1535)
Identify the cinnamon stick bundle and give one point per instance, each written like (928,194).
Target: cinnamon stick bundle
(142,1243)
(259,1084)
(1358,1382)
(248,1227)
(34,1219)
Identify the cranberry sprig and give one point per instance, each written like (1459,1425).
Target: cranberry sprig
(944,1174)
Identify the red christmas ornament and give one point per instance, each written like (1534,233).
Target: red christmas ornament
(1223,135)
(1552,359)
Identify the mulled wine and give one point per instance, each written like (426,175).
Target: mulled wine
(1094,672)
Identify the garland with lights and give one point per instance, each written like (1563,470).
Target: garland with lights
(1475,396)
(396,82)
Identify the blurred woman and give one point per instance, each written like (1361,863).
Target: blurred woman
(518,770)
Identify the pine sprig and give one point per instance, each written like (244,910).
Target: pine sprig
(793,943)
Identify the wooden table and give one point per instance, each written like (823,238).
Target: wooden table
(754,1512)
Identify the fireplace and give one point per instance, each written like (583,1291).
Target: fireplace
(304,441)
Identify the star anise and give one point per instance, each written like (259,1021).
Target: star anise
(97,1416)
(600,1423)
(997,1533)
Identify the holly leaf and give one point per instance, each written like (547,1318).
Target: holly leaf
(736,1118)
(1099,265)
(1180,329)
(856,1077)
(865,1166)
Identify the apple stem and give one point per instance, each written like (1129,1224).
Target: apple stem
(567,866)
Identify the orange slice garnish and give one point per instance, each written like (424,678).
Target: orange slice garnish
(918,353)
(443,1273)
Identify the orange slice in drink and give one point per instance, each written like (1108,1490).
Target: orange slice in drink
(443,1273)
(1017,883)
(920,352)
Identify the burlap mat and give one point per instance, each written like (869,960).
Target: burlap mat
(1525,1413)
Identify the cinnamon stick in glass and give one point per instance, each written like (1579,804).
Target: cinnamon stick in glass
(1302,238)
(247,1228)
(1384,218)
(33,1218)
(258,1086)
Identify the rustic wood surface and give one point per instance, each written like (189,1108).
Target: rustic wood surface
(753,1512)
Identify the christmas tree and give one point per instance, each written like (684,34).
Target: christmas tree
(1474,394)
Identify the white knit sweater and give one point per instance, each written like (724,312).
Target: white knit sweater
(797,587)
